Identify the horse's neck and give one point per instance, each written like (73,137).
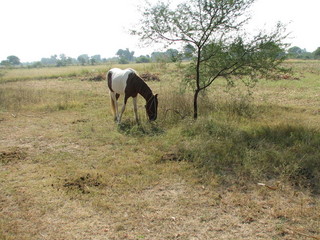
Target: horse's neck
(143,89)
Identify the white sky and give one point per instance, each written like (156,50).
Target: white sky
(32,29)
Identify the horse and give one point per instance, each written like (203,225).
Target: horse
(129,83)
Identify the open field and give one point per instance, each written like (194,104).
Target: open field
(248,168)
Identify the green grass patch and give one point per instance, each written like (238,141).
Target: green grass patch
(289,152)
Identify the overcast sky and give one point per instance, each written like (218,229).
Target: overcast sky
(32,29)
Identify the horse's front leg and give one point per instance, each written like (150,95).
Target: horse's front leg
(135,108)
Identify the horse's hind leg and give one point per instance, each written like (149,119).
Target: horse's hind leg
(114,105)
(113,108)
(135,108)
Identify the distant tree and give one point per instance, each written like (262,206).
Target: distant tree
(54,59)
(299,53)
(170,55)
(143,59)
(63,57)
(45,61)
(188,51)
(123,60)
(295,52)
(125,56)
(95,59)
(5,63)
(36,65)
(307,55)
(159,57)
(173,55)
(49,61)
(62,61)
(83,59)
(316,53)
(13,60)
(71,61)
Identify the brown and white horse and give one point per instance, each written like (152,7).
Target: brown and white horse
(129,83)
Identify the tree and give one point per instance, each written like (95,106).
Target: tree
(188,51)
(83,59)
(316,53)
(215,29)
(13,60)
(62,62)
(170,55)
(295,52)
(71,60)
(159,57)
(37,64)
(5,63)
(125,56)
(299,53)
(143,59)
(50,61)
(173,55)
(95,59)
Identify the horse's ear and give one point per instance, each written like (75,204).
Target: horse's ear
(156,95)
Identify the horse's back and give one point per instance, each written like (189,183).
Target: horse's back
(117,79)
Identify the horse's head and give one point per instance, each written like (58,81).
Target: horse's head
(152,107)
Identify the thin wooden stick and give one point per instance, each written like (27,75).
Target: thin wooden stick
(303,234)
(267,186)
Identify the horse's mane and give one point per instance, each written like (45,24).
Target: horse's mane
(134,71)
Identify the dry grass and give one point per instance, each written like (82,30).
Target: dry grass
(68,172)
(72,72)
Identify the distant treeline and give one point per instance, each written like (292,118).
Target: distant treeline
(124,56)
(299,53)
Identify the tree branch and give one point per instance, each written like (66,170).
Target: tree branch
(220,73)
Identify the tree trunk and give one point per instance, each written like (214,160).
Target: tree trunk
(195,104)
(196,92)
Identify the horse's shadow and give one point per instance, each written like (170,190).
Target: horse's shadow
(143,129)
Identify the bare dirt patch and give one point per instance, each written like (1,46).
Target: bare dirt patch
(83,183)
(94,77)
(150,77)
(170,156)
(12,155)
